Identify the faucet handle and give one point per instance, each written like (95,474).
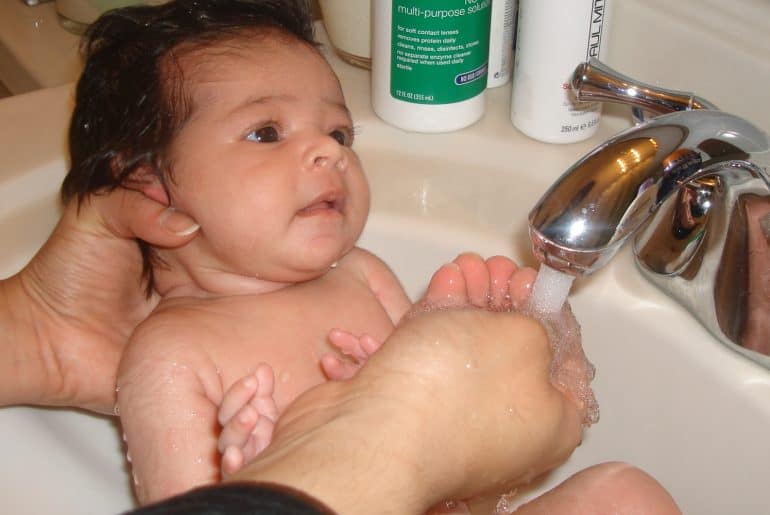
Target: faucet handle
(594,81)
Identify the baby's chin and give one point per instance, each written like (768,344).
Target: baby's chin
(299,271)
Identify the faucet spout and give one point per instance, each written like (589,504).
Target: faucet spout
(608,195)
(693,189)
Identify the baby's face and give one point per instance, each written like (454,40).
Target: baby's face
(264,163)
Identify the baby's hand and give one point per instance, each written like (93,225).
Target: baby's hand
(357,348)
(247,414)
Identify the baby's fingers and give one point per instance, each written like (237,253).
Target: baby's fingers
(236,397)
(237,431)
(336,369)
(348,343)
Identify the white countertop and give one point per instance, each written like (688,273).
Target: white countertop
(719,51)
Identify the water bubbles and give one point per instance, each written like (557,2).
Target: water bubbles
(116,410)
(451,504)
(506,504)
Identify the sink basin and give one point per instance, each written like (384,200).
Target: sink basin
(673,400)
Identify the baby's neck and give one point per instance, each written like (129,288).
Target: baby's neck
(217,284)
(176,280)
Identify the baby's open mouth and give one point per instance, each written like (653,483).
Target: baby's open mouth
(326,203)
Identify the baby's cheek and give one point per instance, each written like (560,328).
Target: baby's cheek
(571,372)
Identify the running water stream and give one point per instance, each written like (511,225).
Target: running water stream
(550,290)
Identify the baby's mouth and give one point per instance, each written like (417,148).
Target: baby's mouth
(327,203)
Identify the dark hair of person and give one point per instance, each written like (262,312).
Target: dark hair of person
(129,101)
(238,499)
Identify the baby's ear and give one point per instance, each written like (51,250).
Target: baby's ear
(146,179)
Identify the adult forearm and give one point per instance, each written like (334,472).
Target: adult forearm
(22,357)
(351,459)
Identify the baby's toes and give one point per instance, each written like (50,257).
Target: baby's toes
(520,287)
(476,274)
(501,270)
(447,288)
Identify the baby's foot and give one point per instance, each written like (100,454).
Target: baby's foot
(359,349)
(247,414)
(469,280)
(499,285)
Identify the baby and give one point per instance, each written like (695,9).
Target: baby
(229,113)
(226,110)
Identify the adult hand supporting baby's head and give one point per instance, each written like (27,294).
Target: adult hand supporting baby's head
(72,308)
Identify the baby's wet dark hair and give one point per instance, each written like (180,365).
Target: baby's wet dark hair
(129,101)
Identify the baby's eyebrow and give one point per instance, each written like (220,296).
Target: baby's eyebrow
(264,99)
(342,106)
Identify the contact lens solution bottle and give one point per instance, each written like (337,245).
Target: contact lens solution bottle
(430,62)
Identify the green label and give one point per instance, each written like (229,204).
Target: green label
(439,50)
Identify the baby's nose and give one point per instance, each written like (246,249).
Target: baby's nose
(325,152)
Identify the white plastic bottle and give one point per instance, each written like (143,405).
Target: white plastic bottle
(501,42)
(554,36)
(429,62)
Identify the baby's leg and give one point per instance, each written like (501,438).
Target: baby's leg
(605,489)
(247,414)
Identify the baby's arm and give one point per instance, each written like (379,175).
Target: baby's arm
(165,397)
(385,286)
(388,290)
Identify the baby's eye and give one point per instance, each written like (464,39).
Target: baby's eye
(266,134)
(342,136)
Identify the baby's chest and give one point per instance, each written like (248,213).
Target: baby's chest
(290,332)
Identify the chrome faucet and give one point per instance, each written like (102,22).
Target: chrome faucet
(693,188)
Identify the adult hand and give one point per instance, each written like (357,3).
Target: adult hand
(65,317)
(458,403)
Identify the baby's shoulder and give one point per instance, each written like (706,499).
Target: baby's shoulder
(172,327)
(361,259)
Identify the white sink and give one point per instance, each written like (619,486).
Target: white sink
(673,401)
